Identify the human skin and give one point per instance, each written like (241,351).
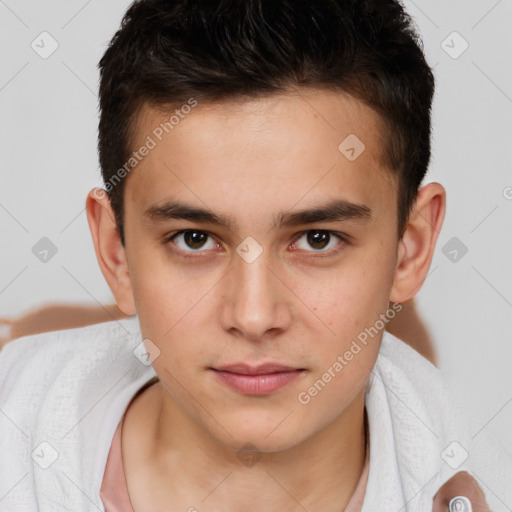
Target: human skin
(55,317)
(406,325)
(249,161)
(461,484)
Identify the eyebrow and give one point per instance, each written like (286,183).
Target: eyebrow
(337,210)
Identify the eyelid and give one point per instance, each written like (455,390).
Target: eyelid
(169,238)
(344,240)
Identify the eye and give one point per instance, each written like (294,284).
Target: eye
(320,240)
(192,240)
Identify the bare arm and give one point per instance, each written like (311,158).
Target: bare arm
(56,317)
(409,327)
(407,324)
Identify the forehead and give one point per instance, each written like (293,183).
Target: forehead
(282,147)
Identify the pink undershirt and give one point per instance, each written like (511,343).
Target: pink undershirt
(114,491)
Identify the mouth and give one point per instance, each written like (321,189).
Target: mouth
(257,380)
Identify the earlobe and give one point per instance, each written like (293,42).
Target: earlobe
(416,248)
(109,250)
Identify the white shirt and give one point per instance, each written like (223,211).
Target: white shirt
(63,393)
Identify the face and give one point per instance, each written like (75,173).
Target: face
(291,259)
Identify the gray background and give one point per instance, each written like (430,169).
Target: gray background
(49,163)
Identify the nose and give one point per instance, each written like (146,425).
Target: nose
(257,304)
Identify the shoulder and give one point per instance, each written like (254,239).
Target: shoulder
(432,426)
(62,394)
(412,383)
(37,360)
(397,358)
(412,422)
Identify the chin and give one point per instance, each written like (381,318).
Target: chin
(263,437)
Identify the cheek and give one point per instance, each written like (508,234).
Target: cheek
(350,297)
(164,293)
(172,306)
(336,385)
(350,301)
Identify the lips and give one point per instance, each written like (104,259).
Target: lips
(244,369)
(257,380)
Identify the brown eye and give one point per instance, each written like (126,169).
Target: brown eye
(319,240)
(192,239)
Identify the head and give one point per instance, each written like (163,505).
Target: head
(262,164)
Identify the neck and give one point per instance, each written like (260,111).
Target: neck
(184,465)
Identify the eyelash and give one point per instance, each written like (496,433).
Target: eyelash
(344,239)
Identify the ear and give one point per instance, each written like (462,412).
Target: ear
(109,249)
(416,248)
